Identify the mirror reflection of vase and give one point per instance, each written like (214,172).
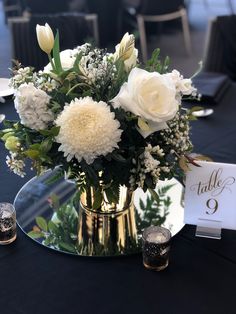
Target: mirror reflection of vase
(109,230)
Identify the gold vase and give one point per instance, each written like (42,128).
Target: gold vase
(111,229)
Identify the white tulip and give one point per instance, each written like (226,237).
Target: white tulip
(45,37)
(126,51)
(132,61)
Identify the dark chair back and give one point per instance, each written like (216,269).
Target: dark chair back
(108,13)
(220,55)
(73,30)
(46,7)
(12,8)
(159,7)
(25,48)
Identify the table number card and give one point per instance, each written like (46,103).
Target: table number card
(210,194)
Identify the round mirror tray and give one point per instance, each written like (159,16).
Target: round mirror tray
(46,214)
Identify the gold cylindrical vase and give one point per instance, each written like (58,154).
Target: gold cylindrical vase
(109,230)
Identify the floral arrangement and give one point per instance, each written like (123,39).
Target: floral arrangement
(102,117)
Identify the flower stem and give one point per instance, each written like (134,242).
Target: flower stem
(52,63)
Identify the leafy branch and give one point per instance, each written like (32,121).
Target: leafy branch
(154,64)
(154,211)
(60,232)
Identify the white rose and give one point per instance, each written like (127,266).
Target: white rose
(67,57)
(150,96)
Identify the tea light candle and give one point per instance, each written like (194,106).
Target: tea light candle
(7,223)
(156,247)
(156,237)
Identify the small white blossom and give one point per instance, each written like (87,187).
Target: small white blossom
(46,83)
(151,162)
(95,68)
(177,135)
(183,86)
(16,165)
(23,75)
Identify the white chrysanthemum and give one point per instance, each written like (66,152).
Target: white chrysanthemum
(88,129)
(31,105)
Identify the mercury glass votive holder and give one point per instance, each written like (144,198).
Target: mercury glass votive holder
(7,223)
(156,247)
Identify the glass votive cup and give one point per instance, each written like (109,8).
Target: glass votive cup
(156,247)
(7,223)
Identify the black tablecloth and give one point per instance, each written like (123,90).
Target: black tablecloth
(200,278)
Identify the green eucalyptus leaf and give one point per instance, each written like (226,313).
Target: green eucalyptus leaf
(35,146)
(192,118)
(52,132)
(46,145)
(9,123)
(77,62)
(35,234)
(52,227)
(98,198)
(118,157)
(48,241)
(60,213)
(92,175)
(55,176)
(68,247)
(7,130)
(42,223)
(4,136)
(112,195)
(45,132)
(56,107)
(195,108)
(32,153)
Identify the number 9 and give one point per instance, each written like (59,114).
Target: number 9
(213,205)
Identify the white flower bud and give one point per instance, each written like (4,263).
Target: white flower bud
(45,37)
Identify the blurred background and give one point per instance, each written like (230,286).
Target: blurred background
(179,28)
